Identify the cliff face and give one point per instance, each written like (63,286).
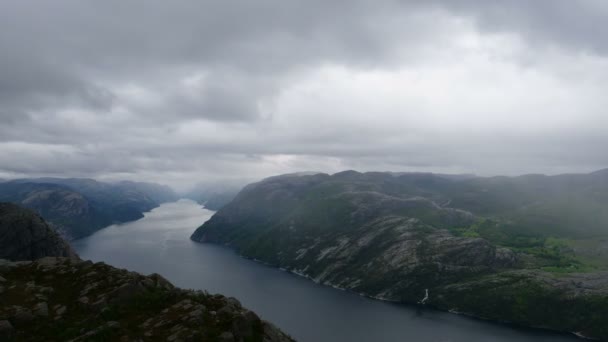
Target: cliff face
(62,299)
(395,238)
(26,236)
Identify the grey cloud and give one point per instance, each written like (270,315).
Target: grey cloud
(579,26)
(223,96)
(55,50)
(200,88)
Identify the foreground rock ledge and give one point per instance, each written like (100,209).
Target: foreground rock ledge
(63,299)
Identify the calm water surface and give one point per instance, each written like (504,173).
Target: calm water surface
(160,243)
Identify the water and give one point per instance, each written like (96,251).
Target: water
(160,243)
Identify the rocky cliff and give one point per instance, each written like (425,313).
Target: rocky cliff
(399,238)
(63,299)
(26,236)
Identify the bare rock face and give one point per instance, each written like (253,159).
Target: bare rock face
(26,236)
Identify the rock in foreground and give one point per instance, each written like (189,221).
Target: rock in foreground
(63,299)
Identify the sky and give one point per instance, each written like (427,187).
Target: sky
(180,92)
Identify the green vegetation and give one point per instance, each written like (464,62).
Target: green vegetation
(552,254)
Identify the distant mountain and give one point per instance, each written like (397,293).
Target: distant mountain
(217,193)
(214,195)
(156,192)
(531,249)
(24,235)
(77,207)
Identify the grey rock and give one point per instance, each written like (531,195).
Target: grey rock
(243,325)
(160,281)
(99,305)
(273,334)
(226,310)
(6,330)
(111,325)
(6,265)
(60,310)
(46,290)
(41,309)
(23,315)
(233,301)
(125,291)
(148,283)
(41,297)
(48,261)
(196,313)
(226,337)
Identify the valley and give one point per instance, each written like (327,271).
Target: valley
(307,311)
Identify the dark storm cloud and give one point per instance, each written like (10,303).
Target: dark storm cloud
(188,89)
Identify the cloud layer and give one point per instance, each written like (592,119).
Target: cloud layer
(185,91)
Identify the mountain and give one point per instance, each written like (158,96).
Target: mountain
(156,192)
(78,207)
(25,236)
(214,195)
(53,298)
(532,250)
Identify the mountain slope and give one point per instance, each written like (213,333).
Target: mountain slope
(499,248)
(25,236)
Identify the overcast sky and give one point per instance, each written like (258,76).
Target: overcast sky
(183,91)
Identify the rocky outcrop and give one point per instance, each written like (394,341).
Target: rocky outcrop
(26,236)
(63,299)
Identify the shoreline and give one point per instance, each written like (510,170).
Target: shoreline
(416,305)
